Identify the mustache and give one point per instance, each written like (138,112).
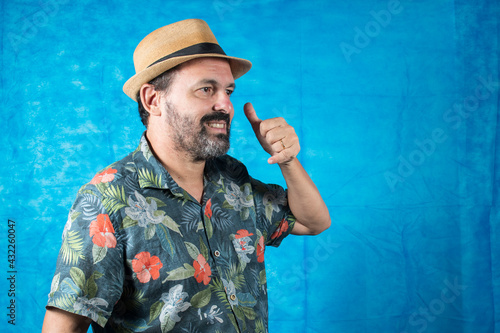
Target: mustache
(215,116)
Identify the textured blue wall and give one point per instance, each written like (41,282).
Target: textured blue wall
(396,104)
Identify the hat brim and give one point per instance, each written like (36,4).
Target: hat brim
(131,87)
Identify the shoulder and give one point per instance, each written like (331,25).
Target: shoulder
(106,191)
(115,173)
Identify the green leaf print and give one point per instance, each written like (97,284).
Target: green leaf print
(238,311)
(98,253)
(55,284)
(149,231)
(202,298)
(170,223)
(208,227)
(165,240)
(192,250)
(203,249)
(167,325)
(114,198)
(133,299)
(78,277)
(72,248)
(159,203)
(155,311)
(220,291)
(180,273)
(148,178)
(235,274)
(65,301)
(269,211)
(101,320)
(248,312)
(127,222)
(74,215)
(262,277)
(259,326)
(102,187)
(91,287)
(245,213)
(227,205)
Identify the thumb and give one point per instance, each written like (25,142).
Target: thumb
(252,117)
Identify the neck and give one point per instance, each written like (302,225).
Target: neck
(185,171)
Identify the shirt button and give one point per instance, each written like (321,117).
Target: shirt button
(232,297)
(217,253)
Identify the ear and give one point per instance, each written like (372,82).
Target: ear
(150,99)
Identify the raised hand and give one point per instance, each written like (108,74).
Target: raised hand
(275,136)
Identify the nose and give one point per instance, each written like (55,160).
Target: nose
(223,102)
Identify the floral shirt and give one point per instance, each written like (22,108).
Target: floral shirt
(139,254)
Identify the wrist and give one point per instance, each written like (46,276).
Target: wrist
(290,164)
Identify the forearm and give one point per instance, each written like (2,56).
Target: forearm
(281,142)
(57,320)
(304,200)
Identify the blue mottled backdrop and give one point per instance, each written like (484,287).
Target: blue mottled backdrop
(396,104)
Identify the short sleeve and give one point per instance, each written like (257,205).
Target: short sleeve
(274,217)
(90,271)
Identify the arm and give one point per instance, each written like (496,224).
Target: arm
(279,139)
(57,320)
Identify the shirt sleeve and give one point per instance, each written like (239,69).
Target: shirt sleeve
(274,217)
(89,275)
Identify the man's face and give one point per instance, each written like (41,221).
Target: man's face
(198,110)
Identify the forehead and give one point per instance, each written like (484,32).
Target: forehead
(206,68)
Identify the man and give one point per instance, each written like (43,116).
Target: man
(172,237)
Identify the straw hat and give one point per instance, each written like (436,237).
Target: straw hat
(172,45)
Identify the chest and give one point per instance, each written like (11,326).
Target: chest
(188,240)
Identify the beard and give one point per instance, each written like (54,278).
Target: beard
(193,138)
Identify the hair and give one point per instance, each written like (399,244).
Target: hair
(160,83)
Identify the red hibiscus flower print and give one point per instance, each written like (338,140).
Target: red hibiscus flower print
(208,208)
(102,231)
(242,233)
(202,270)
(104,177)
(146,266)
(260,249)
(281,228)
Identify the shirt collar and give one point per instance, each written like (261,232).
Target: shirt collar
(152,174)
(150,171)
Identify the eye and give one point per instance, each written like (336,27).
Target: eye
(206,89)
(229,92)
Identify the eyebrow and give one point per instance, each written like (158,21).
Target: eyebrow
(215,82)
